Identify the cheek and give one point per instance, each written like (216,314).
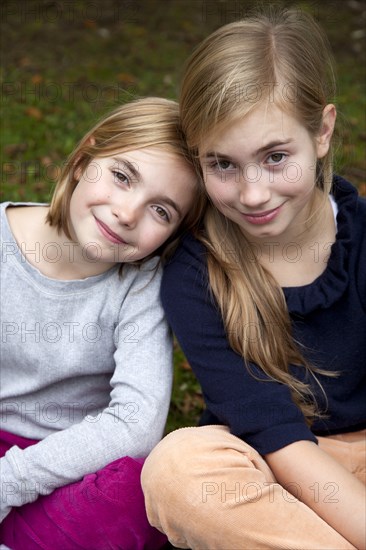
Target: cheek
(301,174)
(219,192)
(82,199)
(88,193)
(77,204)
(74,202)
(295,180)
(211,187)
(152,233)
(292,174)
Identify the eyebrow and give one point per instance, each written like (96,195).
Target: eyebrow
(131,166)
(269,145)
(272,144)
(173,204)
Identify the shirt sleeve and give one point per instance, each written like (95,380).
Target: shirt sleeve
(134,420)
(256,409)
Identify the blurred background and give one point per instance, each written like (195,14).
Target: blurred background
(66,63)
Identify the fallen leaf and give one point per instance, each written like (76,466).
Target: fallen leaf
(126,77)
(37,79)
(45,161)
(8,167)
(39,186)
(185,365)
(34,112)
(90,24)
(25,62)
(12,150)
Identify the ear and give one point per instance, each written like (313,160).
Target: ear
(326,131)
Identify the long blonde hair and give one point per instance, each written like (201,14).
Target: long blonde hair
(279,56)
(147,122)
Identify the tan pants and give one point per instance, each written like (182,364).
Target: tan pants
(208,490)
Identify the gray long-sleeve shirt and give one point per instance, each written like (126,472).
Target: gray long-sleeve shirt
(86,366)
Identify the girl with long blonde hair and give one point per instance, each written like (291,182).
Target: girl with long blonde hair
(268,302)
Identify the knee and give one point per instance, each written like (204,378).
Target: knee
(187,459)
(202,469)
(171,484)
(170,461)
(188,455)
(72,516)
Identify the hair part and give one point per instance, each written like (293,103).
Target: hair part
(276,56)
(147,122)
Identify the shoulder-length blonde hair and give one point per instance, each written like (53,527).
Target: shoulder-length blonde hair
(279,56)
(148,122)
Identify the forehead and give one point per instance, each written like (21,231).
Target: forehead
(162,159)
(263,124)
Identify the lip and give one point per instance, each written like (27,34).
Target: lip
(108,233)
(261,218)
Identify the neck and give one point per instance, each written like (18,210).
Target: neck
(302,256)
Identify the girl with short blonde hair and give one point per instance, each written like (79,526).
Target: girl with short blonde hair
(86,352)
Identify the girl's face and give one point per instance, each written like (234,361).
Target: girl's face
(125,206)
(260,172)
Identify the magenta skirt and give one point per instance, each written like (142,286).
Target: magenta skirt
(103,511)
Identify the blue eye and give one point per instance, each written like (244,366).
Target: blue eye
(224,164)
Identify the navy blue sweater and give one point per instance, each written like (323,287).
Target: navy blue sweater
(328,318)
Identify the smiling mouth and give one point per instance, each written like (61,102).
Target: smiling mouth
(259,218)
(108,233)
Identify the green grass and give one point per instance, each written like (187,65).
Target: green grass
(66,63)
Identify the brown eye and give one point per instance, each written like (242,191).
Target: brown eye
(120,177)
(275,158)
(161,212)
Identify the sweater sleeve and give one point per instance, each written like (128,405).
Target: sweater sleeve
(134,420)
(259,411)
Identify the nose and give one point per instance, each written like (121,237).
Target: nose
(126,214)
(254,191)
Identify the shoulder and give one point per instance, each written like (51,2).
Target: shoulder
(350,247)
(18,206)
(3,207)
(351,206)
(9,208)
(188,261)
(190,253)
(185,284)
(351,215)
(21,218)
(141,279)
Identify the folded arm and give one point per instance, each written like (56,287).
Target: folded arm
(316,479)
